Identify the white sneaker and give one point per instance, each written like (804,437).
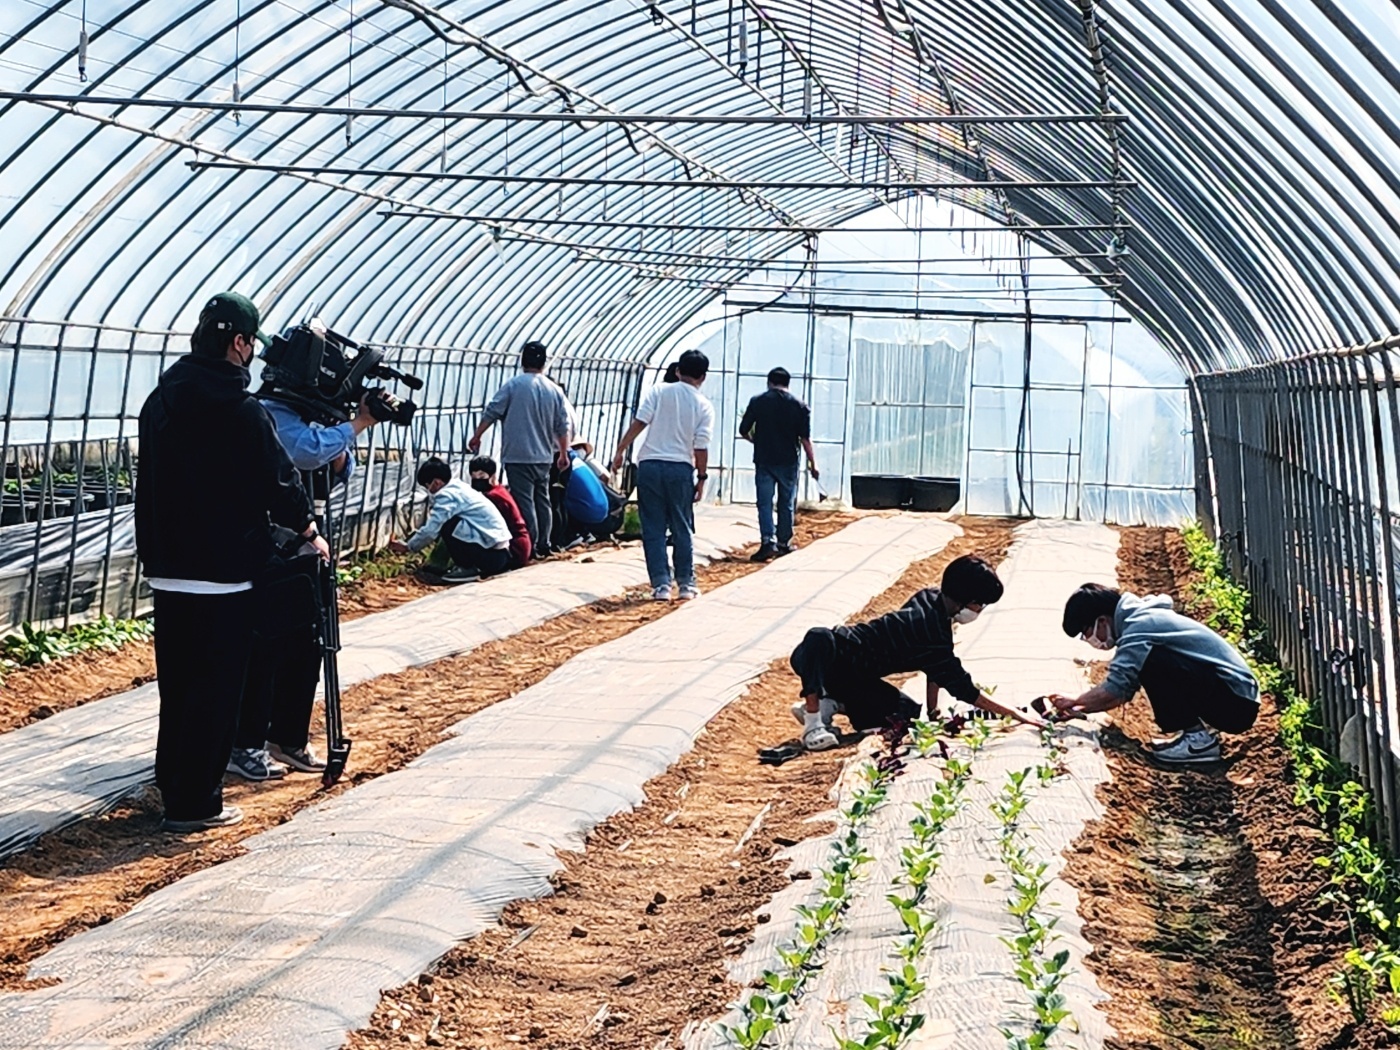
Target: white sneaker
(689,592)
(1193,747)
(661,594)
(819,739)
(827,706)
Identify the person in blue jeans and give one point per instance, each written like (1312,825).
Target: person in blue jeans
(776,423)
(671,474)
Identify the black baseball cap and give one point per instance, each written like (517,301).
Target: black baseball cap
(231,312)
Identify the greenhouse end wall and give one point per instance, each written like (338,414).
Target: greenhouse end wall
(1102,421)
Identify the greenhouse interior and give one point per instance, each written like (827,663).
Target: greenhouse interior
(700,524)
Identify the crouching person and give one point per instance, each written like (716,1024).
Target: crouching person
(483,472)
(843,668)
(468,524)
(1195,681)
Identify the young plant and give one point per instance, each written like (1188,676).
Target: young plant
(1363,880)
(762,1014)
(892,1018)
(1038,970)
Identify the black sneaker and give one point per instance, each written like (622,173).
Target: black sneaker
(767,552)
(226,816)
(786,548)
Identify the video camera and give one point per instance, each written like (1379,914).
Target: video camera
(322,375)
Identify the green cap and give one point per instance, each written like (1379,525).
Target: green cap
(229,311)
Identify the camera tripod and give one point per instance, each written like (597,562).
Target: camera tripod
(328,628)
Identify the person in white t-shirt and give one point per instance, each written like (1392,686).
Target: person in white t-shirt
(671,463)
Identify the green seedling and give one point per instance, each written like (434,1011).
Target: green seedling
(1363,879)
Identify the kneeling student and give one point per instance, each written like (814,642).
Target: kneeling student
(843,668)
(483,472)
(468,524)
(1193,678)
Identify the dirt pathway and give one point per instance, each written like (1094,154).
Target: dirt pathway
(87,874)
(1198,889)
(634,943)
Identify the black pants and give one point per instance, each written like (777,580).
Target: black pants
(489,561)
(827,671)
(1183,690)
(280,691)
(203,642)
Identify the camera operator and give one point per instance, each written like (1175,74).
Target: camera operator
(274,724)
(213,477)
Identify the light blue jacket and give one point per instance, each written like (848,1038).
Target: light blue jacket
(310,446)
(480,522)
(1142,624)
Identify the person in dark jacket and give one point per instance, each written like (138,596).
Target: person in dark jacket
(843,668)
(212,478)
(776,423)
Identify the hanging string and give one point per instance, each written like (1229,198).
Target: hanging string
(505,81)
(237,57)
(83,46)
(350,77)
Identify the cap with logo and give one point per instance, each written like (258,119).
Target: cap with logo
(231,312)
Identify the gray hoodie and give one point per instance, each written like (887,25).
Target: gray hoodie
(1141,624)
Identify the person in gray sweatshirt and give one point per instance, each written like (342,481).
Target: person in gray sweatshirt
(1195,680)
(534,433)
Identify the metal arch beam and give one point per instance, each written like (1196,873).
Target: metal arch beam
(563,117)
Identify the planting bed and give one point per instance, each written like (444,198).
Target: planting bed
(636,941)
(1198,889)
(30,694)
(86,875)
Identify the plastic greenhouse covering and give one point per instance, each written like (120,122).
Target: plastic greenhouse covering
(1124,261)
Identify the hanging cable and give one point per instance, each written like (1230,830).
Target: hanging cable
(237,58)
(1026,505)
(83,46)
(350,78)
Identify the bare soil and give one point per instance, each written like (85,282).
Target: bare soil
(634,943)
(29,694)
(93,871)
(1198,888)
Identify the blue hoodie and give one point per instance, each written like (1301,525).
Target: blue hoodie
(1142,624)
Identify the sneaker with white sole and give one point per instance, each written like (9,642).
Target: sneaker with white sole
(222,819)
(819,739)
(827,706)
(254,763)
(689,592)
(458,574)
(1193,747)
(299,758)
(661,594)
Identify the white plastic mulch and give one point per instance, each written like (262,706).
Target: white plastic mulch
(1019,647)
(289,945)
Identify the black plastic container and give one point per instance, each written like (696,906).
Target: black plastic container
(934,494)
(881,491)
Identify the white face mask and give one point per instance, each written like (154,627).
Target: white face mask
(966,615)
(1098,643)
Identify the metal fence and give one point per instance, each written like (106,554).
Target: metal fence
(70,457)
(1301,493)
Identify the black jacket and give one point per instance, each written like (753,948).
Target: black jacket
(917,637)
(775,422)
(211,474)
